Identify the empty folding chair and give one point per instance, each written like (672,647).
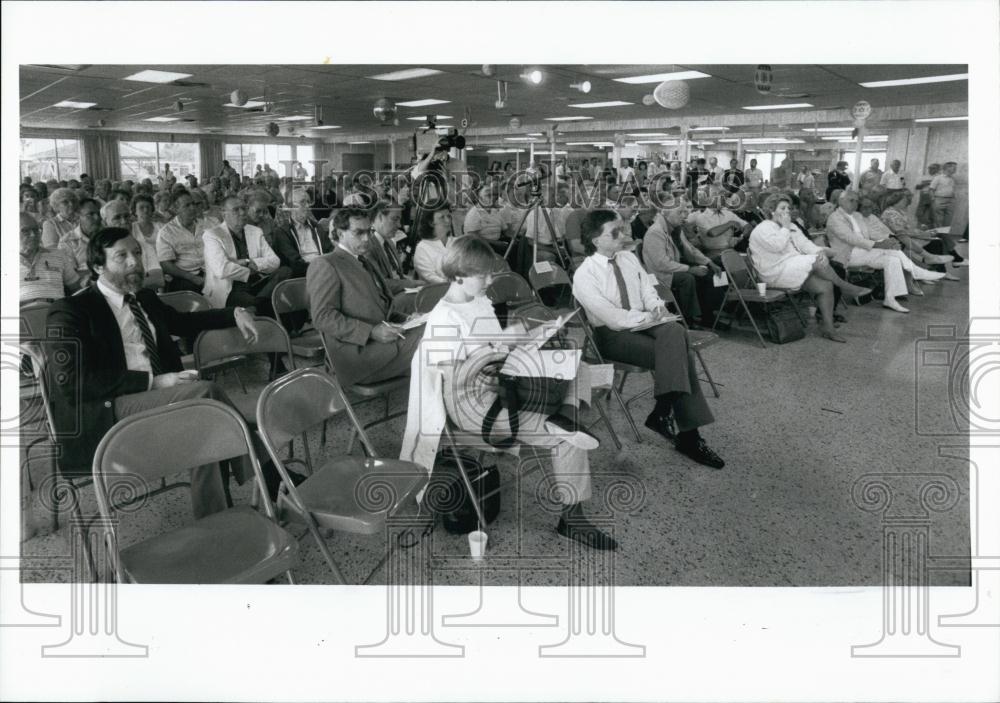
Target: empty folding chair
(189,301)
(289,297)
(743,290)
(344,493)
(234,546)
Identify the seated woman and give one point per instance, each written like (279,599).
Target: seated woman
(785,258)
(940,247)
(462,333)
(485,220)
(435,239)
(876,230)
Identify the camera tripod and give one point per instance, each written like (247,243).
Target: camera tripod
(558,242)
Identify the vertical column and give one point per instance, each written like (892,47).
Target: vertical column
(905,555)
(685,153)
(93,606)
(858,147)
(392,154)
(409,606)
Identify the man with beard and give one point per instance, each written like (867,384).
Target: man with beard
(114,357)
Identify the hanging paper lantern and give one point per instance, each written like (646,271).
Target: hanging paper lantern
(238,98)
(488,70)
(384,110)
(672,94)
(762,78)
(515,123)
(648,100)
(860,112)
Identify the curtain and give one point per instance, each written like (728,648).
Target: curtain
(100,156)
(211,152)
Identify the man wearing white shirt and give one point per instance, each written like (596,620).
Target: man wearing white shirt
(892,180)
(180,247)
(618,295)
(942,190)
(301,241)
(716,170)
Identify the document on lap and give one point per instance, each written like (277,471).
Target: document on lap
(543,332)
(415,322)
(654,323)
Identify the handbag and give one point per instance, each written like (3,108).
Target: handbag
(784,326)
(448,496)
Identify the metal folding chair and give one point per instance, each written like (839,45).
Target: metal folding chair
(234,546)
(790,293)
(345,493)
(290,296)
(189,301)
(510,288)
(429,295)
(697,339)
(743,289)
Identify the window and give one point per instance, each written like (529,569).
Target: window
(767,161)
(141,160)
(45,159)
(246,158)
(866,157)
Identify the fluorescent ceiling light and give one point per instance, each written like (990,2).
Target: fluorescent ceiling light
(248,103)
(437,117)
(327,126)
(660,77)
(75,105)
(607,103)
(648,134)
(943,119)
(548,153)
(359,142)
(423,103)
(916,81)
(519,139)
(294,118)
(157,76)
(589,144)
(787,106)
(829,129)
(406,74)
(567,119)
(767,140)
(868,140)
(708,129)
(651,141)
(845,138)
(535,134)
(162,118)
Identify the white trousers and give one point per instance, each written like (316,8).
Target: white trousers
(892,263)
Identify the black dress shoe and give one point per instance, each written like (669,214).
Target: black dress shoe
(837,317)
(577,528)
(575,435)
(698,451)
(273,480)
(662,426)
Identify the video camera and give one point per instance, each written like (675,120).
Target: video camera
(451,140)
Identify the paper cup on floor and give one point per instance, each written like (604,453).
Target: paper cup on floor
(762,288)
(477,544)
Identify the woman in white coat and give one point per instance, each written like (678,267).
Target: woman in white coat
(785,258)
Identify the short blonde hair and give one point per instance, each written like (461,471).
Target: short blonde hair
(468,256)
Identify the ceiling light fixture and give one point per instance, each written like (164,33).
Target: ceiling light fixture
(708,129)
(916,81)
(406,74)
(829,129)
(533,76)
(583,86)
(151,76)
(648,134)
(575,118)
(660,77)
(74,105)
(327,126)
(359,142)
(787,106)
(247,104)
(423,103)
(964,118)
(162,118)
(294,118)
(424,119)
(607,103)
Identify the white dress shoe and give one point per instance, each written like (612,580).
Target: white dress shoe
(893,305)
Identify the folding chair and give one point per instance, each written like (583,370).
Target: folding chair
(743,289)
(697,339)
(228,342)
(346,493)
(790,293)
(189,301)
(554,277)
(290,296)
(234,546)
(428,296)
(511,289)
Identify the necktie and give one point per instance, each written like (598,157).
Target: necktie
(622,288)
(147,334)
(377,280)
(391,255)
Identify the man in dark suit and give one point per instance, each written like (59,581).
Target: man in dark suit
(350,303)
(114,357)
(383,255)
(301,241)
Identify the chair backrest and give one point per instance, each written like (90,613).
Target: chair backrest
(299,401)
(290,296)
(555,276)
(638,253)
(185,301)
(736,269)
(510,288)
(215,345)
(573,221)
(428,296)
(33,320)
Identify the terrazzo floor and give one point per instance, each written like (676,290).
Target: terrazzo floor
(797,424)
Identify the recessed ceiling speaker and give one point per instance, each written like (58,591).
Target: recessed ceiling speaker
(238,98)
(672,94)
(762,78)
(648,100)
(384,110)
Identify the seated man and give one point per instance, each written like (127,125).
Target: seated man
(300,242)
(617,296)
(384,257)
(350,304)
(180,247)
(240,267)
(46,274)
(117,214)
(845,232)
(675,263)
(115,357)
(263,214)
(717,229)
(75,243)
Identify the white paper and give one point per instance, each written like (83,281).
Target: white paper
(543,267)
(530,362)
(654,323)
(719,280)
(415,322)
(601,375)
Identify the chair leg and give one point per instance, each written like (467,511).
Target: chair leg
(607,423)
(798,313)
(708,375)
(468,487)
(628,414)
(754,322)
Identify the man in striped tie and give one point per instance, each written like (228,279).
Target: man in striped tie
(114,356)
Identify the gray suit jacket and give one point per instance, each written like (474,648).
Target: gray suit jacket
(346,305)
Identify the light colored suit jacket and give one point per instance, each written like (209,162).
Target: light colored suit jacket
(221,268)
(845,237)
(661,256)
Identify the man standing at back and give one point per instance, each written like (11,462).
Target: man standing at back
(350,303)
(870,178)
